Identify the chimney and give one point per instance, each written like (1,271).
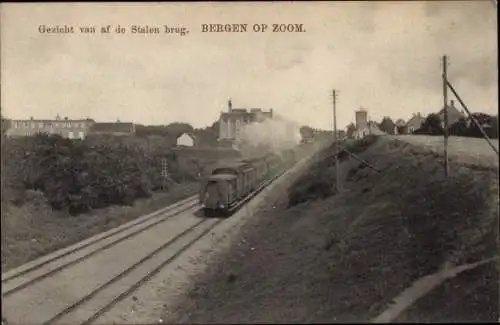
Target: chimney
(271,111)
(229,105)
(58,117)
(65,118)
(31,118)
(452,103)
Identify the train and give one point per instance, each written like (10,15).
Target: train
(230,183)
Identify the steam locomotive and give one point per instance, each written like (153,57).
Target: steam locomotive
(231,183)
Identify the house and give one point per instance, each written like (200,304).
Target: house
(414,123)
(230,122)
(186,140)
(112,128)
(453,114)
(72,129)
(399,126)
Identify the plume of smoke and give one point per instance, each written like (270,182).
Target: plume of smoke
(271,135)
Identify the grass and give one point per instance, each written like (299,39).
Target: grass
(34,229)
(474,152)
(344,256)
(319,182)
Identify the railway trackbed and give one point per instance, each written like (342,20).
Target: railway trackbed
(51,289)
(78,284)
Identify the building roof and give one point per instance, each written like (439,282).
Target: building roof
(191,134)
(54,120)
(453,113)
(113,127)
(416,120)
(400,122)
(244,113)
(222,177)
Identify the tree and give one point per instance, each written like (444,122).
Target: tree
(5,124)
(207,137)
(431,125)
(459,128)
(493,132)
(178,128)
(351,128)
(489,123)
(387,125)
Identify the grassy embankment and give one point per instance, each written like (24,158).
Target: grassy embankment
(314,255)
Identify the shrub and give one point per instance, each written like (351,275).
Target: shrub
(81,175)
(100,171)
(318,181)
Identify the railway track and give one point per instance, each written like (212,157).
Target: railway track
(78,284)
(22,276)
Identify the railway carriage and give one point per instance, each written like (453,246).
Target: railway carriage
(273,163)
(219,192)
(230,183)
(236,169)
(260,171)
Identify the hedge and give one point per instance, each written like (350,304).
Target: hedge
(81,175)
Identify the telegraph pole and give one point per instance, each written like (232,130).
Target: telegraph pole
(445,100)
(335,141)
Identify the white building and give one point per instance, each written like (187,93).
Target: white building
(365,127)
(231,122)
(186,140)
(362,127)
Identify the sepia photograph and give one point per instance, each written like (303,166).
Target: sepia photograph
(249,162)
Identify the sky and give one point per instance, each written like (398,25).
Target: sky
(382,56)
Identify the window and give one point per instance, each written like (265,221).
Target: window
(40,125)
(70,135)
(81,135)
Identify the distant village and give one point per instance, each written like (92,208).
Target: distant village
(227,127)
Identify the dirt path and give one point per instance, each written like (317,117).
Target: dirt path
(423,287)
(468,297)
